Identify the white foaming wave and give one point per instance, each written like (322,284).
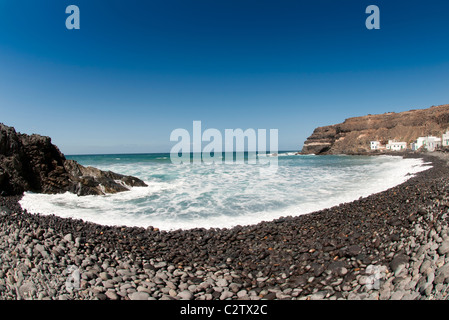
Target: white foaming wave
(109,209)
(389,174)
(287,154)
(392,174)
(224,196)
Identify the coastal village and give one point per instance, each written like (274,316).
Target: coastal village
(422,130)
(428,143)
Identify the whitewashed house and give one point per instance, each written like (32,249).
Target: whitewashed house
(433,143)
(375,145)
(430,143)
(445,139)
(394,145)
(420,142)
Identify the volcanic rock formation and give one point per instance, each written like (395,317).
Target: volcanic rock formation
(33,163)
(353,136)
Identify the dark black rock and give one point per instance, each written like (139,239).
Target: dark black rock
(398,260)
(5,211)
(317,269)
(394,222)
(337,267)
(353,250)
(33,163)
(101,296)
(270,296)
(298,281)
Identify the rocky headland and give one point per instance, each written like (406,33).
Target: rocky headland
(33,163)
(353,136)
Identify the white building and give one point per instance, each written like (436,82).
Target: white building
(445,139)
(396,145)
(420,142)
(429,143)
(433,143)
(375,145)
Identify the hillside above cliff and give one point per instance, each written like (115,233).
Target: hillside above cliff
(354,134)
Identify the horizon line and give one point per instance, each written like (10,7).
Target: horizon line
(143,153)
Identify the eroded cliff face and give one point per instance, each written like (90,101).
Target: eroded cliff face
(33,163)
(353,136)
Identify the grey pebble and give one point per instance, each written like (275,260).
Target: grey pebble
(444,247)
(185,295)
(139,296)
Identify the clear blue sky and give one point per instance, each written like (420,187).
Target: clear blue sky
(136,70)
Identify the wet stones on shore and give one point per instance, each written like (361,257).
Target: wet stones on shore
(391,245)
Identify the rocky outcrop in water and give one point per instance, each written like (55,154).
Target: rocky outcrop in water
(33,163)
(354,134)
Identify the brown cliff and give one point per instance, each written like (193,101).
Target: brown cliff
(33,163)
(353,136)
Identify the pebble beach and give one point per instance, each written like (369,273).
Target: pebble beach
(392,245)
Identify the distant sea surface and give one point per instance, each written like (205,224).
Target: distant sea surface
(184,196)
